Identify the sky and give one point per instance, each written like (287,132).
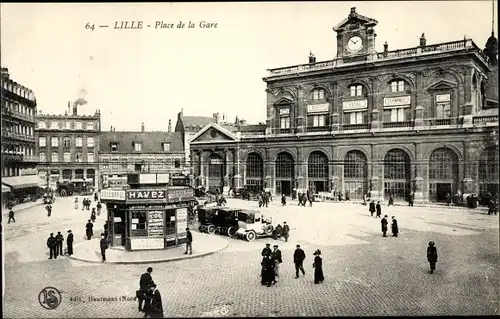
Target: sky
(149,75)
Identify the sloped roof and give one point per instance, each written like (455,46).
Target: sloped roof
(354,16)
(151,141)
(253,128)
(196,121)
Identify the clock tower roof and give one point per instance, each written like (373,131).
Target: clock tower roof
(355,17)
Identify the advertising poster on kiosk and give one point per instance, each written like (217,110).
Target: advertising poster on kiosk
(182,220)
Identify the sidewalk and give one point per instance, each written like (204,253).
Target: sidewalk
(203,245)
(23,206)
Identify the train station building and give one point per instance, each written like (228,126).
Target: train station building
(420,121)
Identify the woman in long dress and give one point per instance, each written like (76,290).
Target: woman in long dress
(318,268)
(269,275)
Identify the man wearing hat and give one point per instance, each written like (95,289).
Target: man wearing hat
(265,253)
(51,244)
(59,243)
(189,242)
(276,254)
(155,305)
(432,256)
(69,242)
(145,284)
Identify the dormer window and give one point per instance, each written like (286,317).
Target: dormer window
(41,125)
(166,147)
(356,90)
(114,147)
(54,125)
(137,146)
(90,126)
(78,125)
(398,86)
(318,94)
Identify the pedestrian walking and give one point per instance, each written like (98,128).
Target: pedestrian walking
(283,200)
(277,258)
(51,244)
(69,243)
(59,243)
(99,207)
(49,210)
(378,208)
(104,246)
(145,283)
(96,197)
(11,216)
(298,259)
(189,242)
(432,256)
(89,230)
(92,215)
(76,202)
(372,208)
(384,223)
(266,251)
(448,199)
(391,200)
(89,201)
(394,227)
(318,267)
(155,309)
(286,231)
(411,199)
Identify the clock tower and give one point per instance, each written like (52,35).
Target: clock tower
(355,36)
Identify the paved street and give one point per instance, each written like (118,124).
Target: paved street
(365,273)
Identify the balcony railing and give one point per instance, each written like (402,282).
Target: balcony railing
(318,128)
(355,127)
(12,157)
(397,124)
(24,137)
(30,158)
(416,51)
(439,122)
(483,120)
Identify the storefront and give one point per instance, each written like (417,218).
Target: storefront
(147,218)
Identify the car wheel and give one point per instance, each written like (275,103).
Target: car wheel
(250,236)
(211,229)
(231,231)
(201,229)
(63,193)
(269,230)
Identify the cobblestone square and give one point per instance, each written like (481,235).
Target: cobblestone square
(365,273)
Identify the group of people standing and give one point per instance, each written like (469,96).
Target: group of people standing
(272,259)
(264,198)
(55,244)
(394,226)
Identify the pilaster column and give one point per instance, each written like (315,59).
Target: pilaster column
(417,181)
(469,169)
(269,173)
(201,165)
(237,168)
(228,169)
(299,112)
(376,182)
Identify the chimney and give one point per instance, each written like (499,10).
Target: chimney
(386,48)
(236,121)
(142,127)
(69,107)
(75,109)
(111,128)
(353,12)
(170,126)
(216,117)
(5,73)
(423,40)
(312,58)
(223,118)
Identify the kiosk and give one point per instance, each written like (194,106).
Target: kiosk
(147,217)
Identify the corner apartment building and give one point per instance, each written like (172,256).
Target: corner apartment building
(123,152)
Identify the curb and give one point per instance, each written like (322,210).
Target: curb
(25,208)
(153,261)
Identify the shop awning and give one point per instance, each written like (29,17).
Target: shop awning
(17,182)
(6,189)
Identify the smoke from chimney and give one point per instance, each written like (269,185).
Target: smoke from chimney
(80,101)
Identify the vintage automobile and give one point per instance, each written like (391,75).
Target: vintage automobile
(252,224)
(222,220)
(65,189)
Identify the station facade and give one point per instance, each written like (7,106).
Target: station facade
(420,121)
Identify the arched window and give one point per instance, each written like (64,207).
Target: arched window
(317,171)
(318,94)
(397,174)
(488,171)
(284,166)
(443,174)
(254,170)
(355,175)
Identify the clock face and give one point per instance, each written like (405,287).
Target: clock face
(354,44)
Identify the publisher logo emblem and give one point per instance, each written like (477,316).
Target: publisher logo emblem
(49,298)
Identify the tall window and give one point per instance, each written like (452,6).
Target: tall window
(216,166)
(42,141)
(78,125)
(78,142)
(55,157)
(443,165)
(67,125)
(443,106)
(90,157)
(138,224)
(397,86)
(78,157)
(67,157)
(67,142)
(355,165)
(355,117)
(90,142)
(317,165)
(54,141)
(397,114)
(318,94)
(285,122)
(488,165)
(356,90)
(254,166)
(285,166)
(43,157)
(318,120)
